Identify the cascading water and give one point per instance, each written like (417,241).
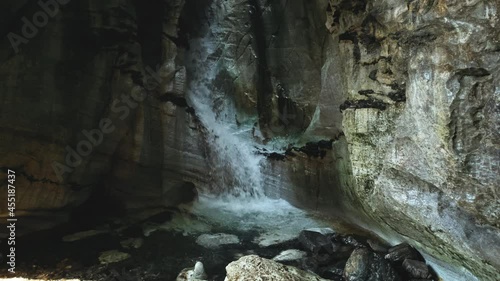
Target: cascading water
(236,169)
(236,198)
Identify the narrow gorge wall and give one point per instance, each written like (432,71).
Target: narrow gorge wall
(90,63)
(421,121)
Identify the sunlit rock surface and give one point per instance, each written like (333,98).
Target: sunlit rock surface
(290,255)
(251,268)
(424,144)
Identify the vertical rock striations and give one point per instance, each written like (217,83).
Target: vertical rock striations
(97,61)
(421,121)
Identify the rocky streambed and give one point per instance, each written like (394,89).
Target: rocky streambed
(258,240)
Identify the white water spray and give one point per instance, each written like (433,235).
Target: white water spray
(235,165)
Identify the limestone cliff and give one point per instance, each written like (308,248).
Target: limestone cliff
(95,61)
(421,121)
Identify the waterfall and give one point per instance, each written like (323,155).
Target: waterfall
(235,165)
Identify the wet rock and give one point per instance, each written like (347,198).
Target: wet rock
(272,155)
(341,251)
(183,222)
(314,240)
(417,269)
(213,241)
(322,230)
(196,273)
(256,268)
(273,238)
(333,272)
(323,259)
(112,256)
(354,241)
(276,156)
(82,235)
(316,149)
(132,243)
(290,255)
(403,251)
(310,264)
(377,246)
(364,265)
(199,271)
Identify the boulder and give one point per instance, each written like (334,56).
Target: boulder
(377,246)
(403,251)
(112,256)
(341,251)
(354,241)
(314,240)
(333,272)
(417,269)
(364,265)
(196,273)
(255,268)
(290,255)
(213,241)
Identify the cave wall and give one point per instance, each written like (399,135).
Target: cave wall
(421,121)
(79,69)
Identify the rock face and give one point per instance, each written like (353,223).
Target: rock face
(364,265)
(413,86)
(268,58)
(255,268)
(97,64)
(421,121)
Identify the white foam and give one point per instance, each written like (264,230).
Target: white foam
(235,166)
